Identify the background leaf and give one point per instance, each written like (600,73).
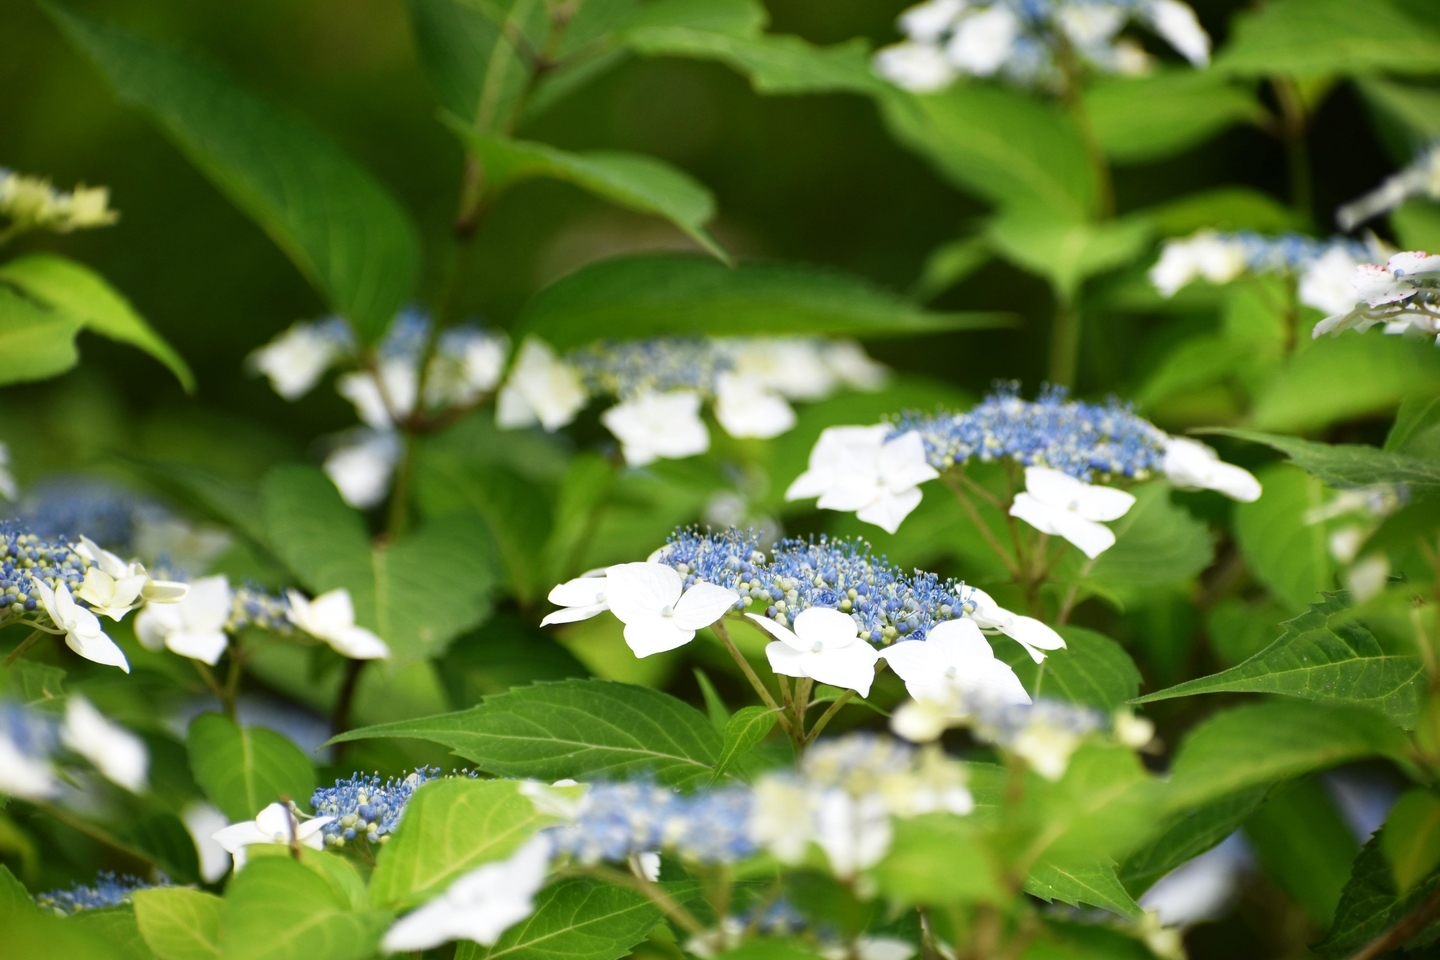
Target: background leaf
(244,769)
(179,923)
(743,731)
(1304,844)
(1347,464)
(1287,554)
(277,909)
(1092,670)
(1336,379)
(35,342)
(1142,119)
(1313,38)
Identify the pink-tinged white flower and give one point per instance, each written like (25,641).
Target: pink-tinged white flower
(331,617)
(656,425)
(954,658)
(658,612)
(480,906)
(745,407)
(1056,503)
(194,627)
(1191,465)
(825,646)
(82,629)
(277,823)
(579,599)
(541,388)
(857,469)
(116,752)
(1034,635)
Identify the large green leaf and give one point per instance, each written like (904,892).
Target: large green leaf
(573,728)
(244,769)
(1142,119)
(1007,148)
(630,180)
(743,732)
(1156,542)
(278,909)
(1066,252)
(1370,904)
(1288,554)
(476,52)
(1411,841)
(656,294)
(1416,109)
(1092,670)
(451,827)
(1186,836)
(1347,464)
(1304,844)
(1319,38)
(179,923)
(1339,378)
(1244,747)
(574,920)
(115,926)
(162,835)
(72,288)
(1092,883)
(937,859)
(345,233)
(418,592)
(1326,655)
(35,342)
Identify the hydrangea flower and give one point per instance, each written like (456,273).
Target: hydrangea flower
(118,754)
(365,808)
(1056,503)
(659,611)
(1021,40)
(1404,294)
(331,617)
(109,890)
(867,471)
(954,658)
(824,646)
(296,359)
(278,824)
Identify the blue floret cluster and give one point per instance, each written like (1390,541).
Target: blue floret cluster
(619,820)
(632,368)
(367,808)
(108,890)
(25,559)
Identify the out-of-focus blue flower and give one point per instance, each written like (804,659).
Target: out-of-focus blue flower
(109,890)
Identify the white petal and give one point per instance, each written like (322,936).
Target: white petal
(572,614)
(982,42)
(97,647)
(153,624)
(917,67)
(238,835)
(783,634)
(890,510)
(165,591)
(703,604)
(1090,501)
(639,589)
(206,647)
(651,633)
(851,667)
(116,752)
(1092,538)
(830,629)
(1034,636)
(746,409)
(332,612)
(202,821)
(852,491)
(362,471)
(903,464)
(786,659)
(357,643)
(580,592)
(915,661)
(208,604)
(1176,22)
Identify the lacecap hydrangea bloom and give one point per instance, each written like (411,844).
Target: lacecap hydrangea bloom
(108,890)
(1027,41)
(366,808)
(1323,268)
(1404,295)
(1066,447)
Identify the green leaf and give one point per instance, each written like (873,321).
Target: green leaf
(949,264)
(1416,427)
(476,53)
(1092,670)
(14,898)
(743,732)
(1304,845)
(163,836)
(574,920)
(1186,836)
(1003,146)
(116,927)
(245,769)
(1260,743)
(937,859)
(418,592)
(345,233)
(583,491)
(1417,224)
(1347,464)
(35,342)
(1156,542)
(179,923)
(1415,109)
(74,289)
(31,681)
(1370,904)
(1091,883)
(1320,38)
(277,909)
(629,180)
(573,728)
(33,935)
(1287,554)
(1324,655)
(730,31)
(1066,252)
(1137,120)
(1411,838)
(1223,208)
(451,827)
(714,704)
(648,295)
(1341,378)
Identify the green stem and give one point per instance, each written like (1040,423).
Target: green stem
(749,672)
(93,832)
(1064,342)
(803,686)
(1293,123)
(657,896)
(213,683)
(399,519)
(825,717)
(988,535)
(25,644)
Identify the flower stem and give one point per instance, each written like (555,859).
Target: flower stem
(25,644)
(750,675)
(1064,342)
(657,896)
(825,717)
(952,481)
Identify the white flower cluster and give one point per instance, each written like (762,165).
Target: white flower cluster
(31,203)
(663,383)
(28,741)
(1024,40)
(1404,295)
(1420,179)
(1323,268)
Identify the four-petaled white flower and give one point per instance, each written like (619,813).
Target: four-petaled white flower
(656,425)
(295,361)
(983,41)
(856,468)
(747,407)
(954,658)
(331,617)
(82,628)
(480,906)
(110,592)
(579,599)
(541,388)
(1034,635)
(1191,465)
(277,823)
(108,596)
(658,612)
(194,627)
(1056,503)
(824,646)
(116,752)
